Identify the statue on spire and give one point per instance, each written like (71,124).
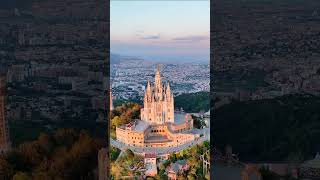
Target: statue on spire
(158,68)
(168,89)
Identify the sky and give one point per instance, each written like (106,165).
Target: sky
(161,30)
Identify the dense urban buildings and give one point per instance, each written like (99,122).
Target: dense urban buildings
(129,75)
(266,87)
(55,58)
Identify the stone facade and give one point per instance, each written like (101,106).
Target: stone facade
(158,102)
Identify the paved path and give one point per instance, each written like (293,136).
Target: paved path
(166,150)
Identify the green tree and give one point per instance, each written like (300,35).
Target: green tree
(115,122)
(22,176)
(129,153)
(114,153)
(173,157)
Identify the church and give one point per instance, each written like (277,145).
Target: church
(160,125)
(158,102)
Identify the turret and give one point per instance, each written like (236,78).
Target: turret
(168,88)
(147,94)
(168,91)
(148,86)
(152,98)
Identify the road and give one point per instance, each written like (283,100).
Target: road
(165,150)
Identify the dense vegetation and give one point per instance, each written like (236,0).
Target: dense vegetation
(284,128)
(125,164)
(192,156)
(119,102)
(22,131)
(65,154)
(198,122)
(189,102)
(193,102)
(122,166)
(124,114)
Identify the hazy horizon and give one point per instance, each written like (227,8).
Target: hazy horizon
(161,30)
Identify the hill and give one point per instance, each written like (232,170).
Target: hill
(114,58)
(193,102)
(284,128)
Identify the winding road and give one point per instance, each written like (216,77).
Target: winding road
(165,150)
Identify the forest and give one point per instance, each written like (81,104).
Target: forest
(63,154)
(281,129)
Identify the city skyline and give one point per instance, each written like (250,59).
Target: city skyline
(161,30)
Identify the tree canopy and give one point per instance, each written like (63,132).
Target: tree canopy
(284,128)
(65,154)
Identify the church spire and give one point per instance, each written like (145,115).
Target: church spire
(158,101)
(158,68)
(148,86)
(158,77)
(148,92)
(158,84)
(168,91)
(168,88)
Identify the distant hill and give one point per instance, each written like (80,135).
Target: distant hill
(193,102)
(114,58)
(284,128)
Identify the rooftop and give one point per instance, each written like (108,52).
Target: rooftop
(175,167)
(141,126)
(150,155)
(157,138)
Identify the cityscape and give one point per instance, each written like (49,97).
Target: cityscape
(53,77)
(130,75)
(159,87)
(130,92)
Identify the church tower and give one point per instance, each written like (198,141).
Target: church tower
(4,129)
(158,102)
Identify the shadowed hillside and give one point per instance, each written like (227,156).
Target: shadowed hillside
(284,128)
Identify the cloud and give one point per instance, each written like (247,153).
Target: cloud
(139,32)
(141,35)
(151,37)
(191,38)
